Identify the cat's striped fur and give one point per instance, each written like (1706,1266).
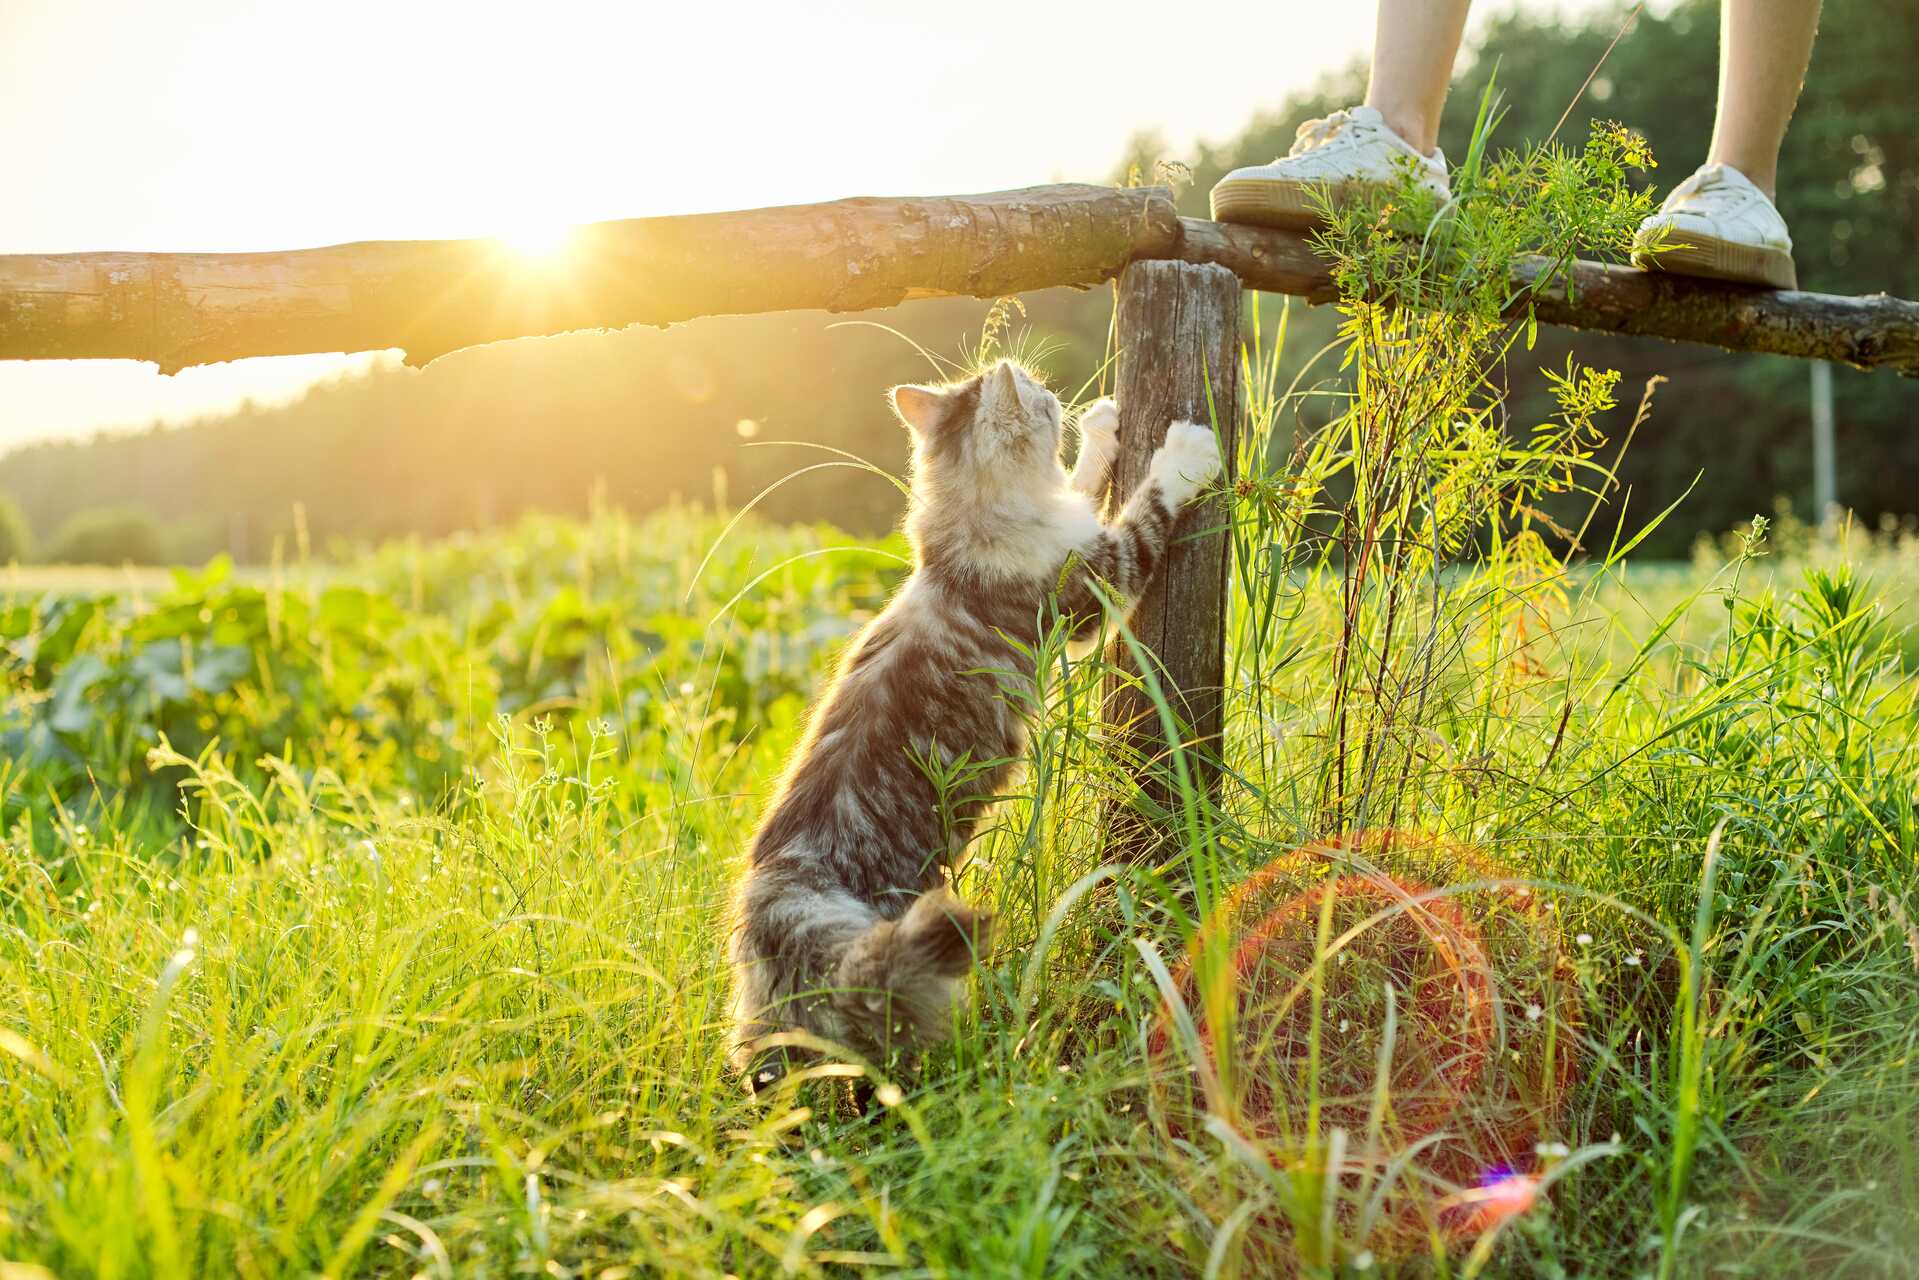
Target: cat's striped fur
(842,923)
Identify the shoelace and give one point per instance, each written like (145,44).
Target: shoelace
(1707,180)
(1314,132)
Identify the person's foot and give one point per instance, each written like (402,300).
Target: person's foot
(1718,224)
(1345,153)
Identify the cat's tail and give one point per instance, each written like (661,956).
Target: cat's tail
(897,982)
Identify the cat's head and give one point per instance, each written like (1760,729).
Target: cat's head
(998,423)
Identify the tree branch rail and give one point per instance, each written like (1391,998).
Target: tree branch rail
(429,297)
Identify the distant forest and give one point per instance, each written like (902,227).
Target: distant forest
(640,417)
(700,412)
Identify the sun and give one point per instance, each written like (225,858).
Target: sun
(539,241)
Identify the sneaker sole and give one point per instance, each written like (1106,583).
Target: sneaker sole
(1271,202)
(1717,259)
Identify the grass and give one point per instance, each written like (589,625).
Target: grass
(369,921)
(351,1029)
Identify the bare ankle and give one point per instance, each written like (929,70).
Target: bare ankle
(1765,177)
(1413,129)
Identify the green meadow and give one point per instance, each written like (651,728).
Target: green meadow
(366,917)
(375,927)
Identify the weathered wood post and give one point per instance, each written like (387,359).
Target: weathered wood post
(1178,339)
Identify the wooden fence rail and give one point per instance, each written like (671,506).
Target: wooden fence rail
(429,297)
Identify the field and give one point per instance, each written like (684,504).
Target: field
(374,927)
(1554,914)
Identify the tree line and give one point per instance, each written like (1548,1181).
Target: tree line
(719,410)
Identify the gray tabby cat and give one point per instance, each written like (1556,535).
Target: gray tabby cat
(842,924)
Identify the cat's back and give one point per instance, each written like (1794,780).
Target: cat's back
(919,689)
(926,675)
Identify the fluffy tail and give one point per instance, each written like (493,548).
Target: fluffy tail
(897,982)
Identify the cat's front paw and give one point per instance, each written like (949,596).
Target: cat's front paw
(1098,446)
(1099,425)
(1187,462)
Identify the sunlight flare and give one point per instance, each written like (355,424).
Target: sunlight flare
(542,242)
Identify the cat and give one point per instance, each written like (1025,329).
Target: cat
(842,923)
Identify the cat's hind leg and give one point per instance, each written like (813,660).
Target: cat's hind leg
(824,962)
(898,983)
(789,933)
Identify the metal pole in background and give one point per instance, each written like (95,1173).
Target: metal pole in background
(1825,489)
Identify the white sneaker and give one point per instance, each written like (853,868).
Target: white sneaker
(1717,224)
(1347,153)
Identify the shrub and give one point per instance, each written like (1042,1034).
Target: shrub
(110,535)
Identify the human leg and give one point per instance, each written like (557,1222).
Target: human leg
(1414,47)
(1362,147)
(1721,222)
(1764,47)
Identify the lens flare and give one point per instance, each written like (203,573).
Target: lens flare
(1501,1196)
(1393,986)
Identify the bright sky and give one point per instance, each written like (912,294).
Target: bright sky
(271,124)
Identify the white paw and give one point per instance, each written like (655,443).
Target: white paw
(1100,417)
(1099,425)
(1187,462)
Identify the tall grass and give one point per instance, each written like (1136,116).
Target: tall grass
(394,949)
(329,1026)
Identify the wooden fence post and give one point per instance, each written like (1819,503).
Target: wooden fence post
(1178,339)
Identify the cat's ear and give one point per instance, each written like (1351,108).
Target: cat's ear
(1005,381)
(919,407)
